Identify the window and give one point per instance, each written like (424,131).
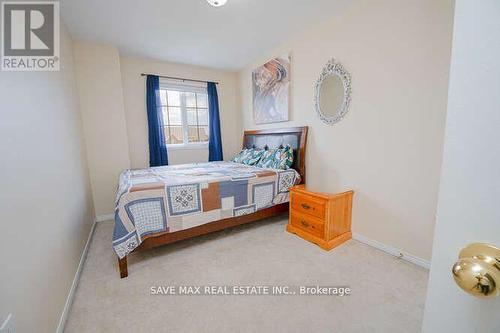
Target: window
(185,114)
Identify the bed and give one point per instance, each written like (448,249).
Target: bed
(162,205)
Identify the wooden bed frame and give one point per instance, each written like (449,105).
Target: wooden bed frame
(296,137)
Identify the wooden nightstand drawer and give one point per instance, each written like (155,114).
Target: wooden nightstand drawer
(321,218)
(308,204)
(308,223)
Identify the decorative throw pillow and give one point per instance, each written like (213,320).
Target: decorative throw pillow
(281,158)
(285,158)
(267,159)
(253,157)
(249,156)
(240,156)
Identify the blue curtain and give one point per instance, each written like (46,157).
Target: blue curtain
(215,140)
(157,146)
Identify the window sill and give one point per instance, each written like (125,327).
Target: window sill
(188,146)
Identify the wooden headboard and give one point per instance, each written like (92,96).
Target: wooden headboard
(274,138)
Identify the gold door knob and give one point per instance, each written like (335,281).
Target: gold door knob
(478,270)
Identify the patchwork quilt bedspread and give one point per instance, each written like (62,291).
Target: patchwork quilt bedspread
(172,198)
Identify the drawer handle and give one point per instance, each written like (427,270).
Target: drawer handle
(304,223)
(306,206)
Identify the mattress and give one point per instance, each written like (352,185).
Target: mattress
(167,199)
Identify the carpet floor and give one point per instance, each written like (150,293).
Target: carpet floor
(387,294)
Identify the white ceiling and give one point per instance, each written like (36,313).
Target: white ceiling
(192,31)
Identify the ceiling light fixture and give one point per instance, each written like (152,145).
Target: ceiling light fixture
(217,3)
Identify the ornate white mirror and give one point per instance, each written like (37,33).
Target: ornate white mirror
(333,93)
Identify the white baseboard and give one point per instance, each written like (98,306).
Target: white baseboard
(393,251)
(74,285)
(105,217)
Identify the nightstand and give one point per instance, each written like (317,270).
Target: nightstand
(321,218)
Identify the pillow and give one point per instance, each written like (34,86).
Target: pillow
(286,158)
(281,158)
(267,159)
(240,156)
(248,156)
(253,156)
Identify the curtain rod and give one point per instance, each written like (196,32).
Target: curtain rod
(177,78)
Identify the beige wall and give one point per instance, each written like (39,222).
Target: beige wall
(101,103)
(389,147)
(45,203)
(134,89)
